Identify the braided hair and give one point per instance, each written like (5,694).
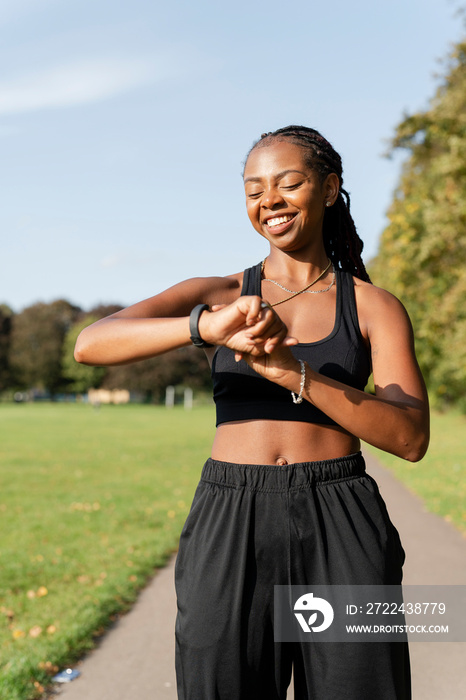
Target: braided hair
(342,243)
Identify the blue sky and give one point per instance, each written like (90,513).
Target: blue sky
(124,125)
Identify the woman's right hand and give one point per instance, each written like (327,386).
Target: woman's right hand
(245,326)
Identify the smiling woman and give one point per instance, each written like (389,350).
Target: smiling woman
(280,200)
(284,497)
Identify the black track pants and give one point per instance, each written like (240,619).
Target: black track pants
(252,527)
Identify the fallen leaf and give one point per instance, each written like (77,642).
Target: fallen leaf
(48,667)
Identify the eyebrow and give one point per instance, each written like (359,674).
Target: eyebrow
(277,177)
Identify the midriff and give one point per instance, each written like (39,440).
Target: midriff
(280,442)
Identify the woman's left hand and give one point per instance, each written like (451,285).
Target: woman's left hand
(272,359)
(279,366)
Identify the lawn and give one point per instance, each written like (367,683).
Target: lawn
(439,478)
(91,501)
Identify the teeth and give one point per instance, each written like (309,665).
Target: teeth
(279,220)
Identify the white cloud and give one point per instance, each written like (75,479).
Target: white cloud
(76,83)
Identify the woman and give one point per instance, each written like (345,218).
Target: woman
(284,498)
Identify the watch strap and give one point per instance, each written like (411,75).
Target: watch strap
(194,317)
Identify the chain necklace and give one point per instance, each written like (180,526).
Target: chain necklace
(305,289)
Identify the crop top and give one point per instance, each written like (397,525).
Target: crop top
(240,393)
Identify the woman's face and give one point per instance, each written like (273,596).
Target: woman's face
(285,199)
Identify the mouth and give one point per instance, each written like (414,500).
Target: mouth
(279,224)
(277,220)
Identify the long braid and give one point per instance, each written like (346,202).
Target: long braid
(341,240)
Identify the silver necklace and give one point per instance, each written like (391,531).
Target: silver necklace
(305,291)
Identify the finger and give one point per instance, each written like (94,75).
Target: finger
(269,326)
(267,313)
(266,317)
(274,341)
(218,307)
(289,341)
(254,310)
(261,346)
(272,344)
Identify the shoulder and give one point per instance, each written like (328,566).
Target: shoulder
(370,293)
(378,309)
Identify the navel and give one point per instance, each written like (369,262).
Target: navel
(281,462)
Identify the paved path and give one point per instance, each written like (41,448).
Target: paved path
(134,661)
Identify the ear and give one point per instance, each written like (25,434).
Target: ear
(331,188)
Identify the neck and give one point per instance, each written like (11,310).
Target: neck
(294,267)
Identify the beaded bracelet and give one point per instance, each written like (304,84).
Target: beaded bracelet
(299,398)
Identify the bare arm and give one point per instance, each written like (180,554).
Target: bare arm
(153,326)
(396,419)
(161,323)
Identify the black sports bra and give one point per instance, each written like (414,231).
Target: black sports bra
(242,394)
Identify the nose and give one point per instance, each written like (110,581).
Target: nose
(271,198)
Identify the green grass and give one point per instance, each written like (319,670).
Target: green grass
(91,501)
(440,477)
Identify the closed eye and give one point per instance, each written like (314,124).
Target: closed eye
(291,187)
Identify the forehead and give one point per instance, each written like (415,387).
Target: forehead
(274,158)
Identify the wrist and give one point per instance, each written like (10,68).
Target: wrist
(197,328)
(294,377)
(298,398)
(289,376)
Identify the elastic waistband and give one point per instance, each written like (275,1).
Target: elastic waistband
(270,477)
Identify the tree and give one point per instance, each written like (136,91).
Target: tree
(102,310)
(187,366)
(6,316)
(37,337)
(422,253)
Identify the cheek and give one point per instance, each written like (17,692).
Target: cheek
(254,218)
(252,210)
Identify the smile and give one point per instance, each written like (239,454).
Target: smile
(278,220)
